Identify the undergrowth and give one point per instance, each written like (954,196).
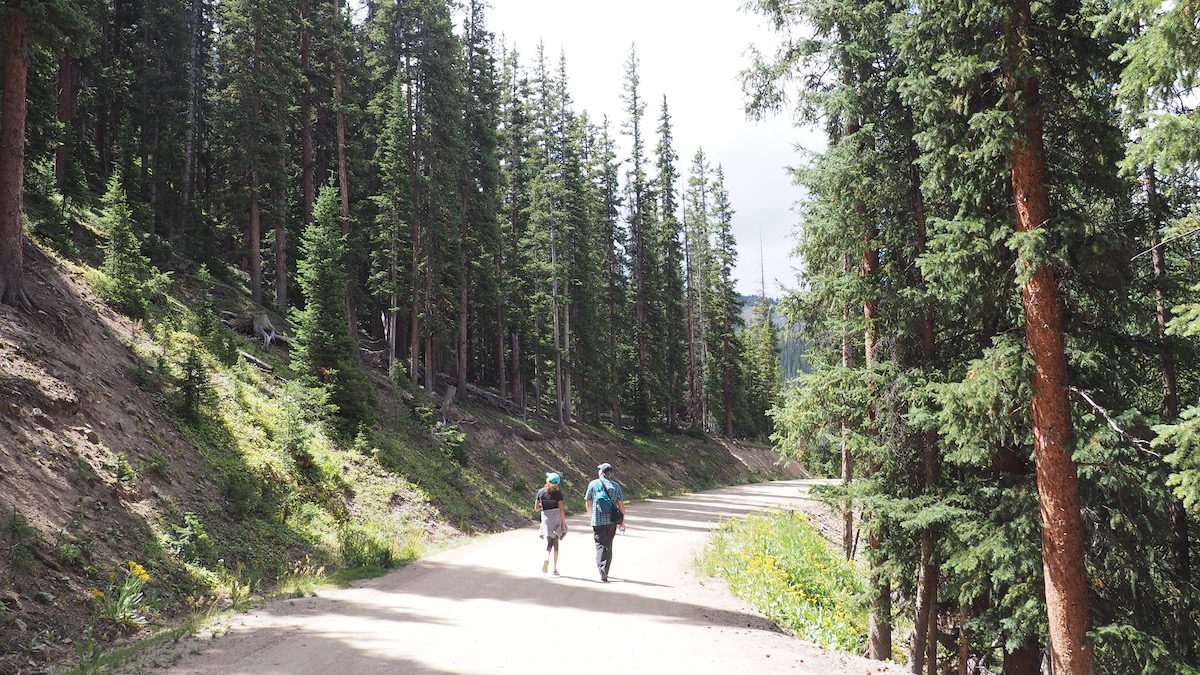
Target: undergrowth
(782,565)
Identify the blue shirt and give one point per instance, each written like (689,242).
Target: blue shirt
(614,493)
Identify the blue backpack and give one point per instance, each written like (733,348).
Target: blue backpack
(603,501)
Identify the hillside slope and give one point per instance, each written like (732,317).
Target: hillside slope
(102,464)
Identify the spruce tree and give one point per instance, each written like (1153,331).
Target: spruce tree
(323,348)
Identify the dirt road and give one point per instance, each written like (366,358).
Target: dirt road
(486,607)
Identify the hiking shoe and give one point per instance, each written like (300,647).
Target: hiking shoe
(604,578)
(545,566)
(556,573)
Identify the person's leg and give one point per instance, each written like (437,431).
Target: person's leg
(556,556)
(551,543)
(603,535)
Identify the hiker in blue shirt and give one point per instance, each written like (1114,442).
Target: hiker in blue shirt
(606,508)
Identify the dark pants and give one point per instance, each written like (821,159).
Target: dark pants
(603,536)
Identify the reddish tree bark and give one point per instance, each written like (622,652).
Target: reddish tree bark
(1067,601)
(12,158)
(879,622)
(1024,660)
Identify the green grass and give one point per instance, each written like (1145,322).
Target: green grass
(783,566)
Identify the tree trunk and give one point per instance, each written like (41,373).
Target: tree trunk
(501,327)
(343,172)
(964,642)
(1024,660)
(567,395)
(254,240)
(12,158)
(537,366)
(558,371)
(518,382)
(307,189)
(1067,601)
(879,621)
(923,649)
(281,277)
(1180,562)
(429,363)
(847,459)
(66,111)
(191,144)
(254,236)
(463,309)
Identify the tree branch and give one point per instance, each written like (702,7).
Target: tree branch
(1138,443)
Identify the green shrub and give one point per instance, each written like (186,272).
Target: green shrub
(454,442)
(189,542)
(781,565)
(72,553)
(125,473)
(363,546)
(21,537)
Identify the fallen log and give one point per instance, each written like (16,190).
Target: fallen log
(256,362)
(478,392)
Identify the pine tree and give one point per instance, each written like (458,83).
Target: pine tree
(673,338)
(643,271)
(393,245)
(697,263)
(724,317)
(323,348)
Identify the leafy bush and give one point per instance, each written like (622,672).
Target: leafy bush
(781,565)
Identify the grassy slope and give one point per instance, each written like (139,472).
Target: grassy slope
(102,463)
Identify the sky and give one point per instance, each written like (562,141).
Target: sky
(691,51)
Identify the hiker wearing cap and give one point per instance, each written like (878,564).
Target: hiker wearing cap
(606,506)
(549,502)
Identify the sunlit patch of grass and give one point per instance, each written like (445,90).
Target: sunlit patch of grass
(782,565)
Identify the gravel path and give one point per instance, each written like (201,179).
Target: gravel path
(486,607)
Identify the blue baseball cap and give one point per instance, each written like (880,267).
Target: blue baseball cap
(554,478)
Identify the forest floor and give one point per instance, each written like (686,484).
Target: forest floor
(487,607)
(97,470)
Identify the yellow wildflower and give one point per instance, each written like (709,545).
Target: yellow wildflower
(95,593)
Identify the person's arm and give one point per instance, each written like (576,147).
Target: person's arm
(537,501)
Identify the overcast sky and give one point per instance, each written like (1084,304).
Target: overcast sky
(692,51)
